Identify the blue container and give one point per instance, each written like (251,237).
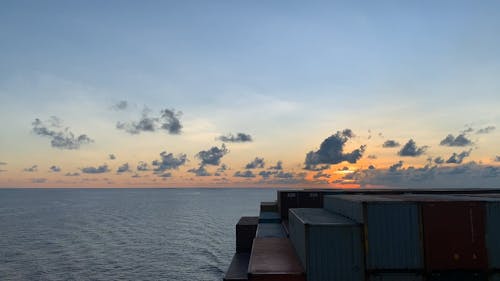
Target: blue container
(395,276)
(391,228)
(329,246)
(269,217)
(270,230)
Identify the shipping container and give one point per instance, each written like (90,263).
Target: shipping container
(269,230)
(238,269)
(494,276)
(395,276)
(329,246)
(457,275)
(245,233)
(273,259)
(269,217)
(287,199)
(310,199)
(269,207)
(392,232)
(454,230)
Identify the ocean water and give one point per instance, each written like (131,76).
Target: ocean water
(121,234)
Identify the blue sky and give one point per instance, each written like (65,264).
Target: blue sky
(288,73)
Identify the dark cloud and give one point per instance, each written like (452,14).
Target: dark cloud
(331,151)
(55,169)
(72,174)
(239,137)
(371,167)
(460,140)
(60,138)
(497,159)
(390,144)
(31,169)
(136,176)
(244,174)
(95,170)
(486,130)
(372,156)
(3,163)
(266,174)
(112,157)
(168,121)
(320,174)
(142,166)
(168,162)
(257,163)
(123,168)
(283,175)
(439,160)
(222,168)
(165,175)
(410,149)
(396,166)
(38,180)
(458,158)
(279,166)
(200,171)
(212,156)
(121,105)
(344,168)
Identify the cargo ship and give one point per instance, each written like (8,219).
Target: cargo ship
(371,235)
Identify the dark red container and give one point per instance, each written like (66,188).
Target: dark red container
(245,233)
(274,259)
(310,199)
(454,235)
(287,199)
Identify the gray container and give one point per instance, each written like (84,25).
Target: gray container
(391,229)
(270,230)
(395,276)
(329,246)
(495,276)
(269,217)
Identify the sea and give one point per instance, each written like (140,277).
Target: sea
(122,234)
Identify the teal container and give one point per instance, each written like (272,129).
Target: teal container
(392,229)
(329,246)
(269,217)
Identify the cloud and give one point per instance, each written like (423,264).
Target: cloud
(72,174)
(470,175)
(123,168)
(31,169)
(458,158)
(279,166)
(256,163)
(497,159)
(390,144)
(410,149)
(112,157)
(60,138)
(169,162)
(142,166)
(200,171)
(165,175)
(121,105)
(168,121)
(136,176)
(396,166)
(38,180)
(239,137)
(3,163)
(95,170)
(331,151)
(55,169)
(320,174)
(266,174)
(371,156)
(283,175)
(371,167)
(439,160)
(486,130)
(460,140)
(245,174)
(212,156)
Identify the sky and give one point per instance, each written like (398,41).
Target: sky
(249,94)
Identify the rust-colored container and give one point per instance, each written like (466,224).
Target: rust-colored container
(287,199)
(274,259)
(245,233)
(454,233)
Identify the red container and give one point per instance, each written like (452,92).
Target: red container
(287,199)
(454,235)
(245,233)
(274,259)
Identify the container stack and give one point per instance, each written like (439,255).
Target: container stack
(373,235)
